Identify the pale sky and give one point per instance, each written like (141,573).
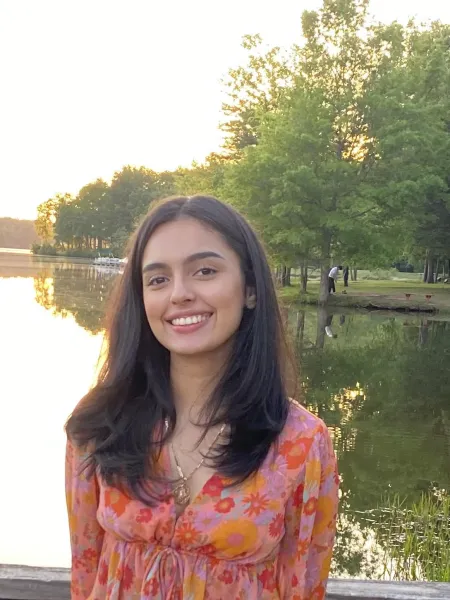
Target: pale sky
(91,85)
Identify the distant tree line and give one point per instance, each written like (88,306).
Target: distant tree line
(101,217)
(337,149)
(17,233)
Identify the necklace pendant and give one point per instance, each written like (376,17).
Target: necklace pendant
(181,493)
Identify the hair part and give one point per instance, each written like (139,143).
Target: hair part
(121,418)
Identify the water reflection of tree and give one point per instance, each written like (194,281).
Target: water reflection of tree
(382,386)
(43,290)
(77,290)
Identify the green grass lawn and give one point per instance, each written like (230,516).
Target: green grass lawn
(370,293)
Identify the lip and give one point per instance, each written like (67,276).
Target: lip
(186,313)
(185,329)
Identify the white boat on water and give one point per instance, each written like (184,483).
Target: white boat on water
(107,261)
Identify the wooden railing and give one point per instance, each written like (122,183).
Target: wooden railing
(40,583)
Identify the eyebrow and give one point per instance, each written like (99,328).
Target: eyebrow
(190,259)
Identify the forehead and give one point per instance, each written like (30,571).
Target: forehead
(176,240)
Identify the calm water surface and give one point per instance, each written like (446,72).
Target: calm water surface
(381,383)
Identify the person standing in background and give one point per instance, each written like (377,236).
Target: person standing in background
(332,276)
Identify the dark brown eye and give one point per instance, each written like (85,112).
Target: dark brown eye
(206,271)
(159,280)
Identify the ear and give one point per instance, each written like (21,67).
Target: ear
(250,299)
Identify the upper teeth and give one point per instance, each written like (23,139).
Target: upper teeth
(189,320)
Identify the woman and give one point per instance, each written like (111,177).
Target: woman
(189,472)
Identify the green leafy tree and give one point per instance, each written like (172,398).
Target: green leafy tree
(306,180)
(90,201)
(130,195)
(254,89)
(418,141)
(46,218)
(206,178)
(349,150)
(66,225)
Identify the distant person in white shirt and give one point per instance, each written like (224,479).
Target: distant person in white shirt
(332,276)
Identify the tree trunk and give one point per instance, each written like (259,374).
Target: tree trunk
(285,276)
(430,267)
(304,277)
(323,292)
(354,274)
(325,268)
(277,275)
(425,271)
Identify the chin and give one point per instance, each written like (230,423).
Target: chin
(192,350)
(205,349)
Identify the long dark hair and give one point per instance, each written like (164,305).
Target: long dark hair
(120,419)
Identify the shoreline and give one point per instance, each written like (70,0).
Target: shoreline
(378,296)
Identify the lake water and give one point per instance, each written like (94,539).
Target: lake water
(381,383)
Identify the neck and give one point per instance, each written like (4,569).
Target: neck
(193,379)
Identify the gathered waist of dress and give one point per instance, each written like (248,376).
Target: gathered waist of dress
(148,549)
(168,572)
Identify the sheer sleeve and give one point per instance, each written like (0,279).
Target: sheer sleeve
(86,535)
(310,525)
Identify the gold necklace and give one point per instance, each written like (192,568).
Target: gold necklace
(181,491)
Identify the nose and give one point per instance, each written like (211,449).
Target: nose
(181,291)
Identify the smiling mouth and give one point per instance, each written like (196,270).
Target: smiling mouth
(192,320)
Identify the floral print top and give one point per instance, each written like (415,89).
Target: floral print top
(271,537)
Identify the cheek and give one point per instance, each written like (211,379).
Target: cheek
(229,298)
(153,307)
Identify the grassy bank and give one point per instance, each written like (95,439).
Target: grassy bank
(416,539)
(372,294)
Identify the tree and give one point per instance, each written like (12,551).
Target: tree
(355,145)
(46,218)
(65,227)
(130,195)
(90,200)
(254,89)
(206,178)
(104,216)
(307,180)
(426,79)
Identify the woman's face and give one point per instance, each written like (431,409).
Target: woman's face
(193,288)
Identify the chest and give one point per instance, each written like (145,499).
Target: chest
(224,521)
(190,473)
(188,465)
